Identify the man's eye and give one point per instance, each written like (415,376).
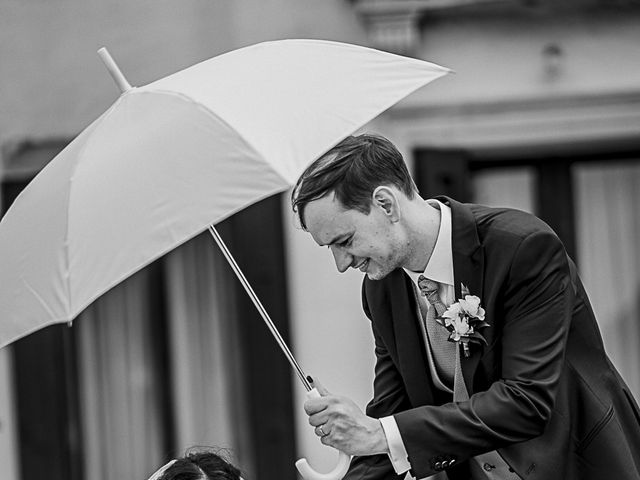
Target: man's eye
(347,242)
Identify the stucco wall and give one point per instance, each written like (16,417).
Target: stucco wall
(502,58)
(52,84)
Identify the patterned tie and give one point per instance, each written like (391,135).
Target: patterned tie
(445,353)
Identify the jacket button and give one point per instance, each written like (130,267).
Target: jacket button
(438,465)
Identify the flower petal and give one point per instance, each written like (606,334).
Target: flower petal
(453,311)
(472,304)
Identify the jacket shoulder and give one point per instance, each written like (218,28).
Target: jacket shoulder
(507,223)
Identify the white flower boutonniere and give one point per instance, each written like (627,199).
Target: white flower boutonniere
(463,319)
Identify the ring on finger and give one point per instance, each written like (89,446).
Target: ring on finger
(322,432)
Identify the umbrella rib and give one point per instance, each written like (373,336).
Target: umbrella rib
(40,299)
(94,126)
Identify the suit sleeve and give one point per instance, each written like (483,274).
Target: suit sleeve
(389,397)
(536,299)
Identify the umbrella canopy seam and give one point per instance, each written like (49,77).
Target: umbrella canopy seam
(73,309)
(94,126)
(208,111)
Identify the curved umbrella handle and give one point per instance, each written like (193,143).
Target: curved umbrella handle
(337,473)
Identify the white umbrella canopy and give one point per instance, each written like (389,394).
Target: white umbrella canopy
(168,159)
(172,158)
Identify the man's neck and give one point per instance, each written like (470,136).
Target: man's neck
(423,223)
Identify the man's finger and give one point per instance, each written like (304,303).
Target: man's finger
(322,430)
(318,419)
(314,405)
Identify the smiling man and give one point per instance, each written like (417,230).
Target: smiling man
(489,362)
(364,242)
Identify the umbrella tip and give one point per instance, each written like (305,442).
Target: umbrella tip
(113,70)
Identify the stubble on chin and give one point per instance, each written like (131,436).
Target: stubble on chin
(378,275)
(383,268)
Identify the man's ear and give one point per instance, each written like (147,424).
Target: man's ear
(385,198)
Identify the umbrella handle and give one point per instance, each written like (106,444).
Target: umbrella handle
(337,473)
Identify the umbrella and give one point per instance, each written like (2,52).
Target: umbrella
(172,158)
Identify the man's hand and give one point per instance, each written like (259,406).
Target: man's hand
(341,424)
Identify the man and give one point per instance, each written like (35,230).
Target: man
(520,387)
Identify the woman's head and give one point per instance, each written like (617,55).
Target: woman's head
(201,465)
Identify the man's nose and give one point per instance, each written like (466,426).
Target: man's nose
(343,259)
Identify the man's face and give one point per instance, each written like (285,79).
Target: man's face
(370,243)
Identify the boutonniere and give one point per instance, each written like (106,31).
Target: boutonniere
(463,319)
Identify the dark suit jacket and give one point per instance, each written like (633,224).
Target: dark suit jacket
(544,393)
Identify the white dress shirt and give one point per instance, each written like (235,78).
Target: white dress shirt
(439,269)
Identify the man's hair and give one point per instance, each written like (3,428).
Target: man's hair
(203,465)
(353,169)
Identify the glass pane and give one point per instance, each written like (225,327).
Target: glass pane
(505,187)
(120,384)
(211,406)
(607,231)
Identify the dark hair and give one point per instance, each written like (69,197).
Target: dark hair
(353,169)
(201,465)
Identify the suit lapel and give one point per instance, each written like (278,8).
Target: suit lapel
(468,270)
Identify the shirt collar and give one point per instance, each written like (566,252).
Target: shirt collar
(440,265)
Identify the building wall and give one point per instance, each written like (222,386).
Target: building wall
(509,90)
(502,57)
(53,84)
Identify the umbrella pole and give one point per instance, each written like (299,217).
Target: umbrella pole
(263,313)
(307,472)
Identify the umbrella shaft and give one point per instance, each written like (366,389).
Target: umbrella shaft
(263,313)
